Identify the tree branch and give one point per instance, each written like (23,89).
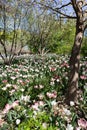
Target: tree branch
(64,5)
(85,4)
(85,20)
(56,10)
(74,6)
(2,56)
(85,11)
(5,50)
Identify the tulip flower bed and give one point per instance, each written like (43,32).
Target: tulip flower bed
(32,95)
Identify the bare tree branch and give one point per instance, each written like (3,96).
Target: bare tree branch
(64,5)
(85,11)
(74,6)
(85,4)
(56,10)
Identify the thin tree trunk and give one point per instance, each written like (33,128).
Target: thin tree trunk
(4,33)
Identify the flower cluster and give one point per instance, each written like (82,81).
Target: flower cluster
(36,85)
(8,106)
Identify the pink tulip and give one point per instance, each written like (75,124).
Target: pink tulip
(83,77)
(7,108)
(41,103)
(52,69)
(35,106)
(82,123)
(15,103)
(52,95)
(4,81)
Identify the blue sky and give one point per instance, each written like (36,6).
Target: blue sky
(69,9)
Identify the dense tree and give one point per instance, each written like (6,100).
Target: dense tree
(41,33)
(46,33)
(63,38)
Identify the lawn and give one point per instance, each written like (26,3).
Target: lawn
(32,95)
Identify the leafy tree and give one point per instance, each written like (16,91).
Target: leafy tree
(46,33)
(41,31)
(62,38)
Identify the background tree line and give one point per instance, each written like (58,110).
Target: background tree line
(24,23)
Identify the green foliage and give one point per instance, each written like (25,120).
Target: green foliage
(37,122)
(54,38)
(4,95)
(84,47)
(5,127)
(63,38)
(64,49)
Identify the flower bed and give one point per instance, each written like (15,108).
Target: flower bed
(32,94)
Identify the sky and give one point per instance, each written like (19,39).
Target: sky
(68,10)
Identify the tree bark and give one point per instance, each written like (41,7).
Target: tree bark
(74,63)
(72,92)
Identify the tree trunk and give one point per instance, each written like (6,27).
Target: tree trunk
(74,63)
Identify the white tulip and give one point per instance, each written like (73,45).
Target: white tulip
(72,103)
(18,121)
